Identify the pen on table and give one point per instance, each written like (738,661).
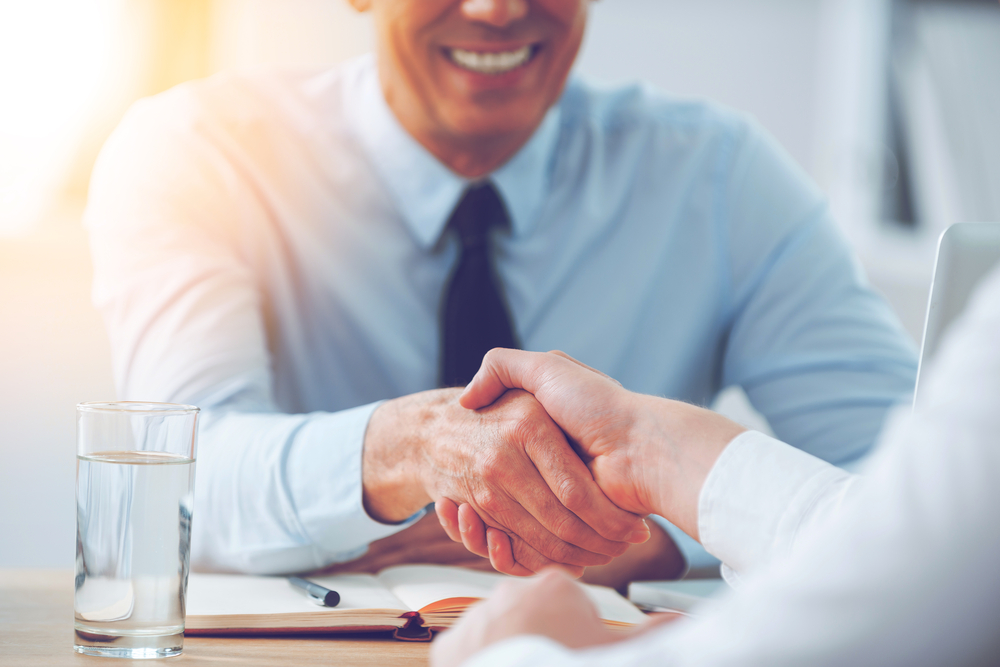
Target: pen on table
(321,596)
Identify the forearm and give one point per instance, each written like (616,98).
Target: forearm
(280,493)
(673,447)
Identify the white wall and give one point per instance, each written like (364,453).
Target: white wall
(758,55)
(53,355)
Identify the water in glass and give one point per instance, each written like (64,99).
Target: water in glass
(132,545)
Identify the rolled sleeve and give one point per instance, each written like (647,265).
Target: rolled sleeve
(281,493)
(325,462)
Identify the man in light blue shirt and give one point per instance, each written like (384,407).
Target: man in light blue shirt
(273,248)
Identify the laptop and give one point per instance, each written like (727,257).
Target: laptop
(966,253)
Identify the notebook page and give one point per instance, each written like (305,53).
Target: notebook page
(419,585)
(236,594)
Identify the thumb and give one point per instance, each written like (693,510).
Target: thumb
(502,369)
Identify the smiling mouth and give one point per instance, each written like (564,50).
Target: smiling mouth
(499,62)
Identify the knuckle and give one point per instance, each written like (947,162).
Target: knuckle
(566,527)
(572,494)
(489,467)
(492,357)
(561,552)
(493,466)
(489,501)
(523,423)
(529,558)
(529,427)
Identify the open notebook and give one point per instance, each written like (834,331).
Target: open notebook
(411,597)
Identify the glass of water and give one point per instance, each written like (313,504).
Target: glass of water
(134,496)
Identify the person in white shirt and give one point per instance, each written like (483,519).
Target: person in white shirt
(894,566)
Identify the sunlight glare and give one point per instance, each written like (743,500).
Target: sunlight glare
(54,59)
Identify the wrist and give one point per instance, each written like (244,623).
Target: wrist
(393,459)
(677,445)
(649,456)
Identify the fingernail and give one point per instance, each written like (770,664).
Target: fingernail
(491,542)
(463,527)
(639,536)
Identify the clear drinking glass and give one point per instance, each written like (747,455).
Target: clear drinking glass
(134,495)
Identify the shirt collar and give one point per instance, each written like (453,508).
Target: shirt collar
(424,190)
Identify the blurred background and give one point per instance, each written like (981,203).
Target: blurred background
(893,106)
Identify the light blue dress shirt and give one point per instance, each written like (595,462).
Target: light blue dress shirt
(271,247)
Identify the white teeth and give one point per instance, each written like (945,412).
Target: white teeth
(490,63)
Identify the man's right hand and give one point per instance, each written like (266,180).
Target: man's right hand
(508,461)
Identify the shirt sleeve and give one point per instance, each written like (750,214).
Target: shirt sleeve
(758,499)
(819,353)
(275,492)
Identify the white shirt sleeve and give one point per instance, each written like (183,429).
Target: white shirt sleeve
(760,496)
(275,492)
(895,567)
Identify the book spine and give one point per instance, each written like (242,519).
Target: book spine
(414,630)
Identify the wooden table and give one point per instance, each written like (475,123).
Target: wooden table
(36,629)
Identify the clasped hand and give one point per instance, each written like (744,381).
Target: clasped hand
(535,490)
(510,465)
(648,455)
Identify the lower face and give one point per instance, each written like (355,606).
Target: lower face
(458,78)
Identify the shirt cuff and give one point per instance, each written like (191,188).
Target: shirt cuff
(524,651)
(757,497)
(325,462)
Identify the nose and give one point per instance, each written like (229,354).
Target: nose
(499,13)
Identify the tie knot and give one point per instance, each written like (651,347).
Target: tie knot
(479,210)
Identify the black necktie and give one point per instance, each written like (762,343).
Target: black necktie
(475,318)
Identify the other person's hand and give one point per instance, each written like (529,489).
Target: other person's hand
(649,455)
(551,605)
(510,463)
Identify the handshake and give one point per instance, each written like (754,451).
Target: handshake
(543,461)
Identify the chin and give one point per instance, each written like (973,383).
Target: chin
(494,123)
